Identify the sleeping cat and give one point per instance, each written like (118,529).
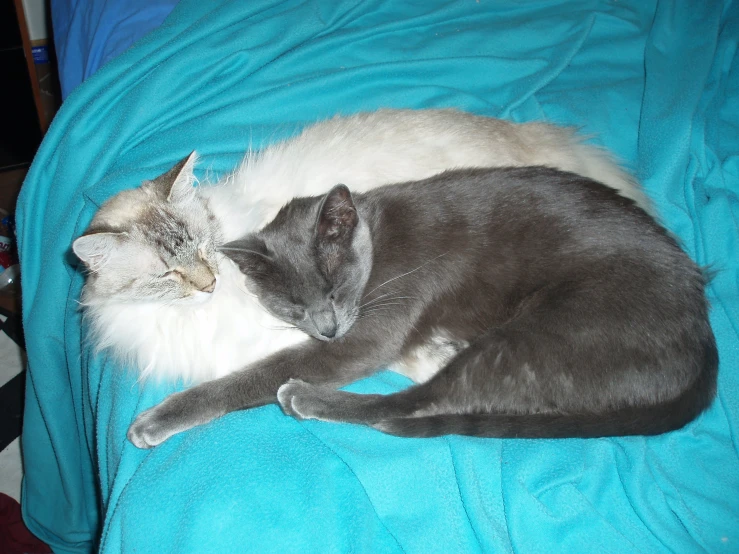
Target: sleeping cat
(566,311)
(162,299)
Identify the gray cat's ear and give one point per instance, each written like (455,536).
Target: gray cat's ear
(337,216)
(94,249)
(249,253)
(177,183)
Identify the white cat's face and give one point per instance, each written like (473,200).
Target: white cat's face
(154,243)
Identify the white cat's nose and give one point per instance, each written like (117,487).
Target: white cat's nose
(211,287)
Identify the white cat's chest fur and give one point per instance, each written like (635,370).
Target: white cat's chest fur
(194,342)
(230,330)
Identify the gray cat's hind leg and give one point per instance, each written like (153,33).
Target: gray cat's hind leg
(306,401)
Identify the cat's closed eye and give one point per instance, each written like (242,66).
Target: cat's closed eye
(205,258)
(338,294)
(293,312)
(174,274)
(298,313)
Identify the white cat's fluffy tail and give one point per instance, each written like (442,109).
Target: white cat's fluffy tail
(563,148)
(367,150)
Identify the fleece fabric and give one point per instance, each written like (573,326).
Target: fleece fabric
(656,81)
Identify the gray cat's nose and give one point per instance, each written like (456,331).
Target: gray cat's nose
(325,323)
(329,333)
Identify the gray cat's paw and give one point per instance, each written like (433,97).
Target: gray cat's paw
(303,400)
(179,412)
(147,430)
(285,397)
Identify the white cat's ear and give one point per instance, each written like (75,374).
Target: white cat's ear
(177,183)
(96,248)
(337,216)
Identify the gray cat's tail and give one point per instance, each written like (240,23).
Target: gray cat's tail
(650,420)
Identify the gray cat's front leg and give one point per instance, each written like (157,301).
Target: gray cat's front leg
(178,412)
(307,401)
(256,385)
(252,386)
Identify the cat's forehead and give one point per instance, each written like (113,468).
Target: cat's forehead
(292,251)
(167,231)
(143,210)
(297,215)
(291,230)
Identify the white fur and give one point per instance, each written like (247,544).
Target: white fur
(200,341)
(191,340)
(425,361)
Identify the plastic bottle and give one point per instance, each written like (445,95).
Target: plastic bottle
(10,271)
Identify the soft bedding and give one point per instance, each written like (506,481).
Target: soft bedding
(89,33)
(655,81)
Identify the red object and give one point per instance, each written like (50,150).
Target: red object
(5,259)
(15,538)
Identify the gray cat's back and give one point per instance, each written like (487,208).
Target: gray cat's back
(557,259)
(544,218)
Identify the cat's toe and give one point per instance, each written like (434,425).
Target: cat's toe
(287,394)
(150,429)
(143,432)
(301,400)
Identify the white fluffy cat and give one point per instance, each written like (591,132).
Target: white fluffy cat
(162,299)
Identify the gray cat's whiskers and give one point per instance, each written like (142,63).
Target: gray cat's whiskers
(374,301)
(233,249)
(378,298)
(407,273)
(383,304)
(376,310)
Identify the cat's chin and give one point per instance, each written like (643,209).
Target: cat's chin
(198,297)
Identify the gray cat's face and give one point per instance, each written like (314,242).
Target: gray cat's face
(154,243)
(310,265)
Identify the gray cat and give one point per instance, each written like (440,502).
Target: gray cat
(560,309)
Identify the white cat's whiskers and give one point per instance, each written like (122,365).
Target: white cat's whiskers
(286,327)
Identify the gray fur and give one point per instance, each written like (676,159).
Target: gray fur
(571,312)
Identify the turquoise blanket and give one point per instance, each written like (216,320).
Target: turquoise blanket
(655,81)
